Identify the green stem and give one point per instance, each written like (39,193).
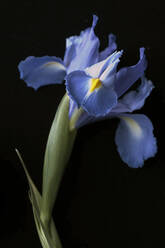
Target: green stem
(58,150)
(75,116)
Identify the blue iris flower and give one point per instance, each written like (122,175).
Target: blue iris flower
(97,90)
(81,52)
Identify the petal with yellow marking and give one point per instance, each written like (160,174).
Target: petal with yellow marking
(40,71)
(135,139)
(95,84)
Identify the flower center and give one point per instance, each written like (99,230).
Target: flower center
(95,84)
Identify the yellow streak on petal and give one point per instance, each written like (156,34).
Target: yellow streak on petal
(53,63)
(133,125)
(95,84)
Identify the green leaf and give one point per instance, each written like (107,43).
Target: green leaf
(48,237)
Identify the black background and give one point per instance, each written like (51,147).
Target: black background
(101,202)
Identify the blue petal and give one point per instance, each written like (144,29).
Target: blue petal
(77,85)
(72,48)
(40,71)
(84,119)
(72,106)
(135,140)
(105,67)
(97,103)
(108,77)
(125,77)
(83,51)
(134,99)
(100,102)
(112,46)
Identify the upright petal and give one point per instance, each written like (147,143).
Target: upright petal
(125,77)
(135,140)
(72,47)
(40,71)
(104,66)
(134,99)
(112,46)
(108,77)
(84,49)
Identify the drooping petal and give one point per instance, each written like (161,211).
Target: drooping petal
(77,86)
(90,94)
(84,49)
(135,140)
(40,71)
(112,46)
(134,99)
(125,77)
(100,102)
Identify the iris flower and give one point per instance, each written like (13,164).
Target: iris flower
(97,90)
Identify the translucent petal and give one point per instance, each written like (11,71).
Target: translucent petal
(96,70)
(109,74)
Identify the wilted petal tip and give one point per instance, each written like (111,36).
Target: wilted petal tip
(112,37)
(95,20)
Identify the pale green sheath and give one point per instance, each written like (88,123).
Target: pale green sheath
(59,146)
(58,150)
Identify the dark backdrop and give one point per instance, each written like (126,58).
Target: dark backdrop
(102,202)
